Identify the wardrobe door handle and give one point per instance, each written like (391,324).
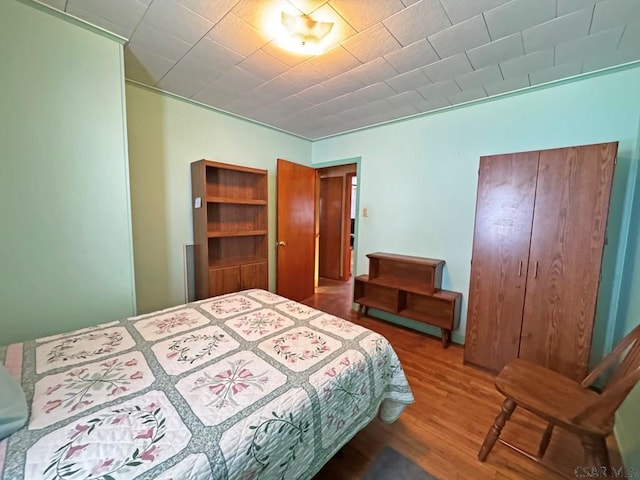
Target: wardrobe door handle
(520,269)
(535,271)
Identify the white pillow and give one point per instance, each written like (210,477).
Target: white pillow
(13,404)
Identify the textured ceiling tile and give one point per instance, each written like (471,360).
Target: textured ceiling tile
(318,93)
(595,44)
(420,20)
(479,78)
(217,94)
(373,42)
(568,6)
(631,36)
(197,72)
(413,56)
(124,15)
(288,58)
(287,106)
(517,15)
(441,89)
(437,104)
(448,68)
(459,10)
(362,14)
(462,36)
(467,96)
(343,102)
(275,89)
(123,30)
(509,85)
(374,71)
(497,51)
(619,57)
(238,35)
(528,63)
(335,61)
(409,81)
(408,99)
(157,41)
(153,65)
(178,20)
(556,73)
(249,102)
(258,13)
(239,80)
(262,65)
(613,13)
(304,76)
(213,11)
(342,84)
(180,84)
(562,29)
(374,92)
(214,55)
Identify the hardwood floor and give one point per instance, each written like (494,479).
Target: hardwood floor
(454,407)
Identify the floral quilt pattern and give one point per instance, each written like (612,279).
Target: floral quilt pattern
(155,327)
(275,438)
(122,441)
(256,325)
(223,389)
(300,348)
(245,386)
(341,394)
(76,349)
(64,394)
(193,349)
(228,306)
(339,326)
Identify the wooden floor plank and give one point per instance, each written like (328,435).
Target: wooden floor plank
(455,406)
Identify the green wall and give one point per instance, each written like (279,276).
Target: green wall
(65,248)
(418,180)
(166,134)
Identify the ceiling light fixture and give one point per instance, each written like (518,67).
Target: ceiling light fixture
(303,34)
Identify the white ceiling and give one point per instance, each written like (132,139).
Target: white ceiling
(391,58)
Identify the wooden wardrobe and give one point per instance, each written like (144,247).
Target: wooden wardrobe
(537,250)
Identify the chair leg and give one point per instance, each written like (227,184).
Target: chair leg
(596,454)
(494,432)
(546,438)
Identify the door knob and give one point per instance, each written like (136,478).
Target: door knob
(281,243)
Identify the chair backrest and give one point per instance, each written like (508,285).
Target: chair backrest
(624,360)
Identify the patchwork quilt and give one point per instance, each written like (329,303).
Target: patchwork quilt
(245,386)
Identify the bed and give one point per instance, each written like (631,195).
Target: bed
(243,386)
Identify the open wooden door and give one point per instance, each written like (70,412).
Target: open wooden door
(296,185)
(331,225)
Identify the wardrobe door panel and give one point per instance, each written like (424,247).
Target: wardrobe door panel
(504,212)
(567,238)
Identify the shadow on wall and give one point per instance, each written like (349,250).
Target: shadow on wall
(628,313)
(149,215)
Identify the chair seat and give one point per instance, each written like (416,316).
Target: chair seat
(548,394)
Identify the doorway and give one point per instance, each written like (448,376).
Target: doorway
(336,222)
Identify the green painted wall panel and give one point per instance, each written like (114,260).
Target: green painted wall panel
(65,248)
(166,134)
(418,180)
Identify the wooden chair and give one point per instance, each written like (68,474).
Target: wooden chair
(570,405)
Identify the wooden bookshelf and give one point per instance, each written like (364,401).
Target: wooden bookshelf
(409,287)
(229,227)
